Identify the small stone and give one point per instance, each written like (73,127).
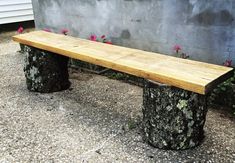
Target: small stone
(98,151)
(209,152)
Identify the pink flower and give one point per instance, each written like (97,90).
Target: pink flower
(64,31)
(93,38)
(46,30)
(103,36)
(228,63)
(177,48)
(20,30)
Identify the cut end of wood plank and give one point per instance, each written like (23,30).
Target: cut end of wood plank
(212,85)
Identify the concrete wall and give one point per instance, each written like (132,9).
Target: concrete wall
(204,28)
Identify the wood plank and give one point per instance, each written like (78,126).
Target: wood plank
(190,75)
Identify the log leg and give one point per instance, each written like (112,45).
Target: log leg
(22,47)
(45,72)
(173,118)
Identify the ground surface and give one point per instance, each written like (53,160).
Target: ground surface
(97,120)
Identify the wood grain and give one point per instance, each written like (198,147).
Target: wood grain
(190,75)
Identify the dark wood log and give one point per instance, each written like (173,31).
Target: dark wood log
(45,72)
(173,118)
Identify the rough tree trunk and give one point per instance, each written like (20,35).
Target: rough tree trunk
(45,72)
(173,118)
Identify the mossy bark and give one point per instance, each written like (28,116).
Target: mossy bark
(173,118)
(45,72)
(22,47)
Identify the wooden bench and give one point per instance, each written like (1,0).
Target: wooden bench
(175,89)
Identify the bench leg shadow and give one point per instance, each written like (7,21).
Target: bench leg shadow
(45,72)
(173,118)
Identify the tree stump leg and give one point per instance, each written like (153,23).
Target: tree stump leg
(45,72)
(173,118)
(22,47)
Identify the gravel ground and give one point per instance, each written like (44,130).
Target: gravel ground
(97,120)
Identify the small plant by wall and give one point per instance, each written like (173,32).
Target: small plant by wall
(102,39)
(179,53)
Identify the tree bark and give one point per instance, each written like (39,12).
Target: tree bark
(173,118)
(45,72)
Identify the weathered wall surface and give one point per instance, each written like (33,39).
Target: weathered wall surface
(204,28)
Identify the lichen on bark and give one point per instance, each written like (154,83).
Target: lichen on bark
(45,72)
(173,118)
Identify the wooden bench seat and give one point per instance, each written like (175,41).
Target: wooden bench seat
(174,109)
(190,75)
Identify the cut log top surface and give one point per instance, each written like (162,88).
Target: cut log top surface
(190,75)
